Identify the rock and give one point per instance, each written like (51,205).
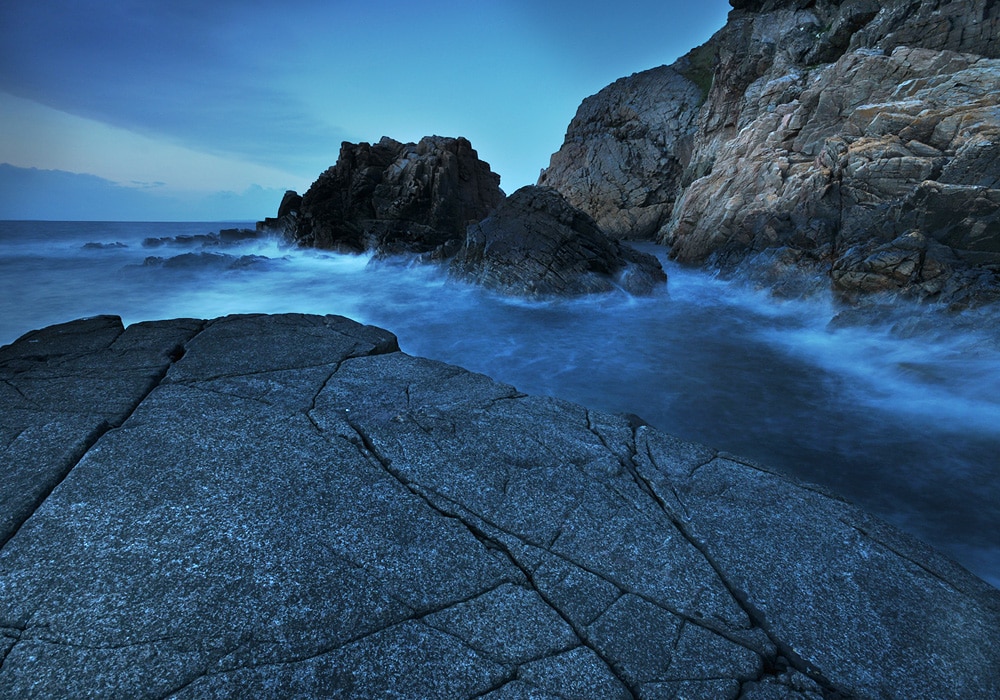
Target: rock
(537,243)
(827,127)
(94,245)
(225,237)
(395,197)
(284,224)
(289,506)
(623,158)
(207,261)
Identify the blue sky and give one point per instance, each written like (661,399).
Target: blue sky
(195,110)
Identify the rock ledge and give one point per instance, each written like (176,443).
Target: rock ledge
(267,506)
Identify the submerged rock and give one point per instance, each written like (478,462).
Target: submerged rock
(265,505)
(537,243)
(207,261)
(95,245)
(394,197)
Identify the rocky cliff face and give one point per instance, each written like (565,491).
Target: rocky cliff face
(861,138)
(275,506)
(395,197)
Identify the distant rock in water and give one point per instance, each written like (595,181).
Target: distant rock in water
(289,506)
(225,237)
(94,245)
(393,197)
(207,261)
(862,137)
(537,243)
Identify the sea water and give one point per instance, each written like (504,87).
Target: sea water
(899,414)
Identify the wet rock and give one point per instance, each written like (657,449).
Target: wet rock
(207,261)
(261,505)
(537,243)
(94,245)
(225,237)
(394,197)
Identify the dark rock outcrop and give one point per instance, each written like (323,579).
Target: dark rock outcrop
(829,128)
(537,243)
(266,506)
(394,197)
(285,223)
(225,237)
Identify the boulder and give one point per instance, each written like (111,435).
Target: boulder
(394,197)
(826,127)
(537,243)
(265,506)
(623,155)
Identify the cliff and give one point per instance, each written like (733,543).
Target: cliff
(857,138)
(289,506)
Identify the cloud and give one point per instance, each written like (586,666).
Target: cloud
(57,195)
(282,85)
(207,74)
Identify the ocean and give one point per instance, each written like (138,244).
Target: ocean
(900,415)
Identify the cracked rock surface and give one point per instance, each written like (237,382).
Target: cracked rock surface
(288,506)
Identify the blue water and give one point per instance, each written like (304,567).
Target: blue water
(901,416)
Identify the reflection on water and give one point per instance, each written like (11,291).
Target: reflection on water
(906,424)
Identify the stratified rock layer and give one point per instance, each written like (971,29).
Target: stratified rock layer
(536,243)
(832,129)
(395,197)
(276,506)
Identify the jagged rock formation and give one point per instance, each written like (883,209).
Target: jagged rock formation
(393,197)
(288,505)
(286,222)
(860,136)
(536,243)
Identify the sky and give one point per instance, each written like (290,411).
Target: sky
(209,110)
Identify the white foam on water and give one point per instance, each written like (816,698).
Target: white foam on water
(906,424)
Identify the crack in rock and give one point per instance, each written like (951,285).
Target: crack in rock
(96,434)
(497,545)
(741,597)
(324,650)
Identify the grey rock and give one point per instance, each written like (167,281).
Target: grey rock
(623,155)
(275,506)
(824,127)
(537,243)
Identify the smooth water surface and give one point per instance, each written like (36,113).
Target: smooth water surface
(906,424)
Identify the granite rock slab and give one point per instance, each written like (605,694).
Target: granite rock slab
(289,506)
